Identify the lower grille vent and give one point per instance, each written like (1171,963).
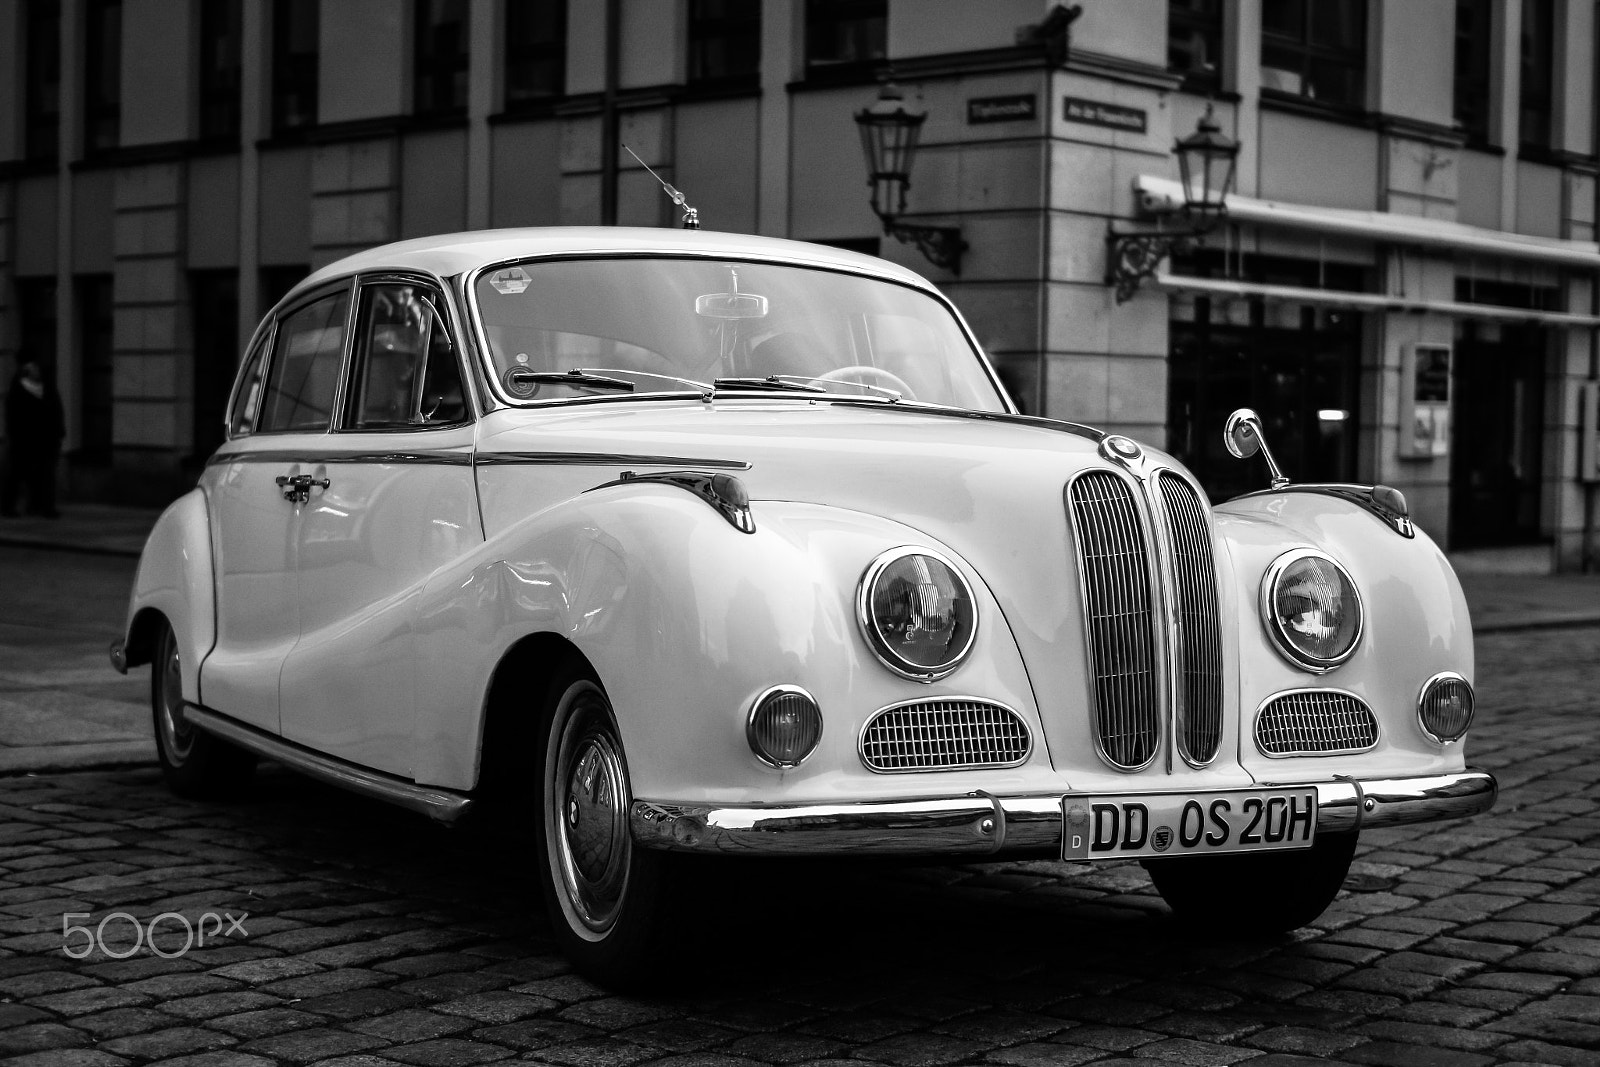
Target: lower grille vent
(1315,722)
(944,734)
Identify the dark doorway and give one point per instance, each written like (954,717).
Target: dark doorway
(95,373)
(214,296)
(1496,446)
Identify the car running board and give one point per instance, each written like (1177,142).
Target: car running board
(440,804)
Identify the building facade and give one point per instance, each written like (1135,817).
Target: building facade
(1404,285)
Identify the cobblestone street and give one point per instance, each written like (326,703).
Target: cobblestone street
(372,936)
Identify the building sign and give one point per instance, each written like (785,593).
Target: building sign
(1000,108)
(1094,113)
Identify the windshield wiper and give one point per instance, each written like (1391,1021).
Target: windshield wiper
(691,382)
(518,377)
(773,381)
(803,382)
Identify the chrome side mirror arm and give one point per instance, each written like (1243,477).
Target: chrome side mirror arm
(1243,438)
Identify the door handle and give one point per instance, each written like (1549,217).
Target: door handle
(297,488)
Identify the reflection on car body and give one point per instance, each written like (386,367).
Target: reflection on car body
(699,543)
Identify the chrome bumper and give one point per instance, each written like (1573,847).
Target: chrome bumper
(978,823)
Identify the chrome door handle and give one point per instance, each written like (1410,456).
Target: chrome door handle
(297,488)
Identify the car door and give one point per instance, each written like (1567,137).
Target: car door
(393,501)
(256,487)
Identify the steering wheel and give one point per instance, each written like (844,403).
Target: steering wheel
(864,374)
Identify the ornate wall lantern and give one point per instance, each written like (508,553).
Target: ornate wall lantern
(889,140)
(1206,162)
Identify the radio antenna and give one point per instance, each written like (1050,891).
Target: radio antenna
(691,217)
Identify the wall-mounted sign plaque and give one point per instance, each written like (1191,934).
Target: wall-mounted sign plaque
(1001,108)
(1095,113)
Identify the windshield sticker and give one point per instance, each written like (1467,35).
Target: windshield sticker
(510,281)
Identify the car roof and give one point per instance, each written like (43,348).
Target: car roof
(449,254)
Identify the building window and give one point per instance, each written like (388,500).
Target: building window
(1538,73)
(1474,34)
(95,321)
(536,52)
(724,42)
(221,34)
(294,64)
(102,75)
(440,57)
(36,321)
(1315,50)
(846,37)
(42,86)
(214,298)
(1194,42)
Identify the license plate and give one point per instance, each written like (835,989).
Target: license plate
(1136,825)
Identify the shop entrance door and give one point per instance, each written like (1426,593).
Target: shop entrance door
(1497,447)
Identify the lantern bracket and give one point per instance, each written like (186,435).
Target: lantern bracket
(941,245)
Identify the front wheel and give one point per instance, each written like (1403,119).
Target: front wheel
(1262,892)
(194,763)
(603,893)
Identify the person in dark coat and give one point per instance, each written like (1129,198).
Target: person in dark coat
(34,428)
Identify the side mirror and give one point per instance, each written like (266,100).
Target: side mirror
(1243,438)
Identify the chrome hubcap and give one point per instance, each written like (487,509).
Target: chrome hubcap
(590,835)
(177,736)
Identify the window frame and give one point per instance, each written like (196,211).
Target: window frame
(221,86)
(41,82)
(697,24)
(333,287)
(1544,79)
(1473,81)
(101,105)
(1185,16)
(283,69)
(514,52)
(345,417)
(1307,52)
(429,68)
(814,18)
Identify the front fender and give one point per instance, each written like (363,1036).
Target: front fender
(175,580)
(687,620)
(1416,626)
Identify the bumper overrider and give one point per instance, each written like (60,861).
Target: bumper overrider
(982,824)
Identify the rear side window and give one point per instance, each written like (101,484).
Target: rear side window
(304,372)
(406,372)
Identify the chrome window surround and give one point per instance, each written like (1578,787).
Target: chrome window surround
(874,637)
(750,724)
(972,704)
(1422,697)
(1274,629)
(1356,704)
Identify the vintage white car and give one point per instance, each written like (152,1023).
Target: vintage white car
(703,543)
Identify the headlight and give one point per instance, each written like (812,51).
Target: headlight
(1445,707)
(1312,610)
(917,613)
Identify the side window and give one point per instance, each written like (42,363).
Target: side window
(305,366)
(247,397)
(406,373)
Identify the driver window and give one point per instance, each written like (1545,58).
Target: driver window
(406,372)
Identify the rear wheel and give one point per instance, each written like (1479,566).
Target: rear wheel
(602,892)
(1263,893)
(194,763)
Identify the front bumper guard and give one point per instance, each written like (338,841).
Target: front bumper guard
(980,824)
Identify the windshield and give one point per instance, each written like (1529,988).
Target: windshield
(670,324)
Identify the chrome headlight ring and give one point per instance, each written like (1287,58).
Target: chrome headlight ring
(942,600)
(1445,707)
(1347,600)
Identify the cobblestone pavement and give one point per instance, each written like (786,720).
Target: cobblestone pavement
(374,937)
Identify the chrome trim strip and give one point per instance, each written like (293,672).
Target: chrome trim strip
(1197,680)
(861,736)
(441,804)
(1255,723)
(874,636)
(602,459)
(1269,615)
(1362,496)
(1422,697)
(983,824)
(725,493)
(431,457)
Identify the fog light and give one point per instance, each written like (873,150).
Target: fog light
(1445,707)
(785,726)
